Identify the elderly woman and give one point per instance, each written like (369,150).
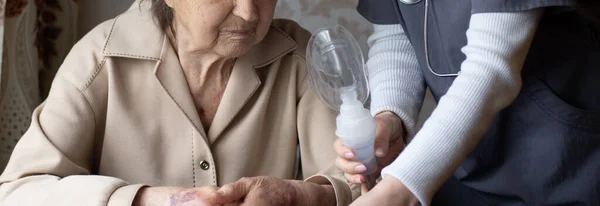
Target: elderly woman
(172,99)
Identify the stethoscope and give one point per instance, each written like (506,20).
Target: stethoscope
(425,40)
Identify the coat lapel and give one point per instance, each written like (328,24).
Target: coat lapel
(170,76)
(153,45)
(245,82)
(242,84)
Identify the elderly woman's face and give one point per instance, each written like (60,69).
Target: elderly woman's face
(226,27)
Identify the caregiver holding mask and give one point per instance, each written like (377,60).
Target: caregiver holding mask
(518,115)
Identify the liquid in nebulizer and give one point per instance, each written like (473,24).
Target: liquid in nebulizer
(356,129)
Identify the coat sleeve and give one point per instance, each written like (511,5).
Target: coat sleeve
(53,162)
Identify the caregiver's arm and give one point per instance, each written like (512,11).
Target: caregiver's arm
(490,80)
(395,79)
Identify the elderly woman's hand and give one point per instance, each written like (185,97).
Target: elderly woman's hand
(174,196)
(274,191)
(389,142)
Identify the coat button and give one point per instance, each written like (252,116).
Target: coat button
(409,1)
(204,165)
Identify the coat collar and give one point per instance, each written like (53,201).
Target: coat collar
(135,35)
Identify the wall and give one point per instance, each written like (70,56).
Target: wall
(93,12)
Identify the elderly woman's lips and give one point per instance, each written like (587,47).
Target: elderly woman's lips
(238,33)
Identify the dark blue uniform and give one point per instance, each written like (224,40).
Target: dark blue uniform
(544,149)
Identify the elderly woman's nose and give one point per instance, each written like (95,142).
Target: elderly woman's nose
(246,9)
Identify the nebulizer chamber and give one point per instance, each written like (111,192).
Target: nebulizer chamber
(337,73)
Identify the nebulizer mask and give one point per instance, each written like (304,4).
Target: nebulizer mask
(338,74)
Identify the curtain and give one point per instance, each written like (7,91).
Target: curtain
(37,34)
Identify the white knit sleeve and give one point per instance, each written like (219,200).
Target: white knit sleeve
(490,80)
(395,79)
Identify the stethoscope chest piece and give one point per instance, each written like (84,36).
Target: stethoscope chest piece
(409,1)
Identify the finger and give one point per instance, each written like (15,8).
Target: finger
(364,188)
(396,147)
(207,189)
(232,192)
(382,137)
(350,166)
(355,178)
(343,151)
(369,182)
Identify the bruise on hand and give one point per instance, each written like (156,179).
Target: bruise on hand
(179,198)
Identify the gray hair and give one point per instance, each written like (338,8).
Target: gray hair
(162,13)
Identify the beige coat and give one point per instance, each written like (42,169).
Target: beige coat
(120,115)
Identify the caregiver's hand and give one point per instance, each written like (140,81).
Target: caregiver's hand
(390,191)
(274,191)
(389,142)
(174,196)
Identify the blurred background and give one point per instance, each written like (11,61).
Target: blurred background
(38,34)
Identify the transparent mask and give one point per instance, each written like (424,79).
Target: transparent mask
(336,65)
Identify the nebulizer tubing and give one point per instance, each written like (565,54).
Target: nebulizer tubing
(337,73)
